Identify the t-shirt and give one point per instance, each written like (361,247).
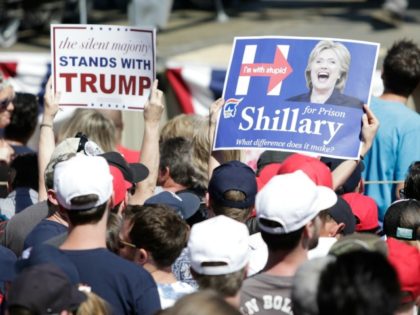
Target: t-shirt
(45,230)
(395,147)
(181,268)
(169,293)
(265,294)
(21,225)
(127,287)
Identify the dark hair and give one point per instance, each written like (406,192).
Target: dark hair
(24,118)
(176,154)
(401,69)
(161,231)
(113,228)
(24,171)
(238,214)
(358,283)
(277,242)
(19,310)
(412,182)
(89,216)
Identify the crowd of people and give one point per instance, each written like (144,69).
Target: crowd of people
(91,227)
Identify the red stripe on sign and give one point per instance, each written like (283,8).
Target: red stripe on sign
(9,69)
(181,89)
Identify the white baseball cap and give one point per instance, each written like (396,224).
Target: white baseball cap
(218,246)
(292,200)
(79,176)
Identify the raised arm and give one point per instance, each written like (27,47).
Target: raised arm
(150,146)
(46,136)
(216,157)
(370,125)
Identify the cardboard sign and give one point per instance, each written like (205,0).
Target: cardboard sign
(103,66)
(297,95)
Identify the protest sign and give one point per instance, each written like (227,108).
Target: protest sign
(297,95)
(103,66)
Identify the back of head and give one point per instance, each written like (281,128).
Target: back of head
(24,118)
(358,282)
(402,220)
(232,190)
(286,204)
(401,68)
(205,302)
(94,125)
(24,171)
(412,182)
(161,231)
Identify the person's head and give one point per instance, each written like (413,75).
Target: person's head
(219,249)
(232,190)
(94,125)
(328,66)
(402,221)
(412,182)
(23,172)
(358,282)
(117,118)
(365,210)
(359,242)
(205,302)
(401,68)
(24,118)
(159,235)
(113,228)
(83,187)
(43,289)
(338,220)
(7,95)
(287,211)
(176,164)
(353,183)
(305,286)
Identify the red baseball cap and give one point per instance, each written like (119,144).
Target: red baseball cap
(365,209)
(119,185)
(314,168)
(406,261)
(266,173)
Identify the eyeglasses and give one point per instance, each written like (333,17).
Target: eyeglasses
(124,244)
(86,146)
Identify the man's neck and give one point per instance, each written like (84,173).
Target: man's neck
(285,263)
(87,236)
(160,275)
(388,96)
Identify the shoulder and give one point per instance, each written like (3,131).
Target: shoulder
(344,100)
(305,97)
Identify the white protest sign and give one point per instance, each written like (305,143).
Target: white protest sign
(103,66)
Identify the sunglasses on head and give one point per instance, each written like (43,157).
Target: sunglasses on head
(86,146)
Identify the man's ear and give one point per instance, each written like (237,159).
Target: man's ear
(142,256)
(338,228)
(163,174)
(207,200)
(52,197)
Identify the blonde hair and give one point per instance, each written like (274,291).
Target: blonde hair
(343,55)
(93,305)
(94,125)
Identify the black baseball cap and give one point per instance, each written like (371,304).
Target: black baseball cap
(132,172)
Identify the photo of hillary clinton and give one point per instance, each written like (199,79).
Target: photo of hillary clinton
(326,75)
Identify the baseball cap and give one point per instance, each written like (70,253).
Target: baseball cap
(341,213)
(233,175)
(366,211)
(267,173)
(269,157)
(44,289)
(185,203)
(80,176)
(7,264)
(406,261)
(75,145)
(292,200)
(399,209)
(357,242)
(119,185)
(218,246)
(314,168)
(132,172)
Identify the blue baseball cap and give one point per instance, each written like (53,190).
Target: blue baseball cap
(233,175)
(185,204)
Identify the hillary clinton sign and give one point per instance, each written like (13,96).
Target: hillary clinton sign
(296,94)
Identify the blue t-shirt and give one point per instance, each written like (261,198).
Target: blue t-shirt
(127,287)
(42,232)
(395,147)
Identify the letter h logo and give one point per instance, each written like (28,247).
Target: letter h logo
(277,71)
